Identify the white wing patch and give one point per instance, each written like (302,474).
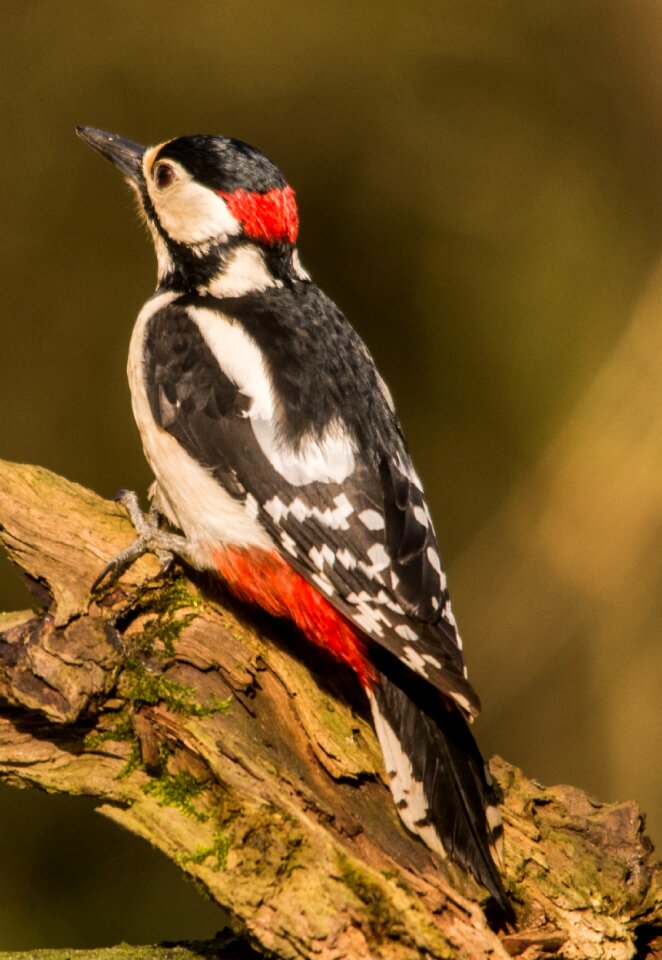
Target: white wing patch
(413,659)
(289,543)
(448,615)
(276,509)
(337,518)
(239,357)
(329,459)
(323,583)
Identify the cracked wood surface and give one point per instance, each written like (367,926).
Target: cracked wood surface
(216,735)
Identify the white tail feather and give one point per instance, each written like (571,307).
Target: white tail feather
(407,792)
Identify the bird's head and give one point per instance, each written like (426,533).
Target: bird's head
(221,214)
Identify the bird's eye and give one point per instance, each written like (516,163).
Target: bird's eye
(163,175)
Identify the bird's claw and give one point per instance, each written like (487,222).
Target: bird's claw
(150,539)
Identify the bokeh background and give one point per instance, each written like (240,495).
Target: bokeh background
(479,186)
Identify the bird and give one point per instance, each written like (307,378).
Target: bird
(281,466)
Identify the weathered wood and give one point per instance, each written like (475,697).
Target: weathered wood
(224,947)
(229,745)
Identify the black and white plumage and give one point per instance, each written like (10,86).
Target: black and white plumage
(278,454)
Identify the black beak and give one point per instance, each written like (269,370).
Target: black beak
(125,154)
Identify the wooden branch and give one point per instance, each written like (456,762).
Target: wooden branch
(224,947)
(219,738)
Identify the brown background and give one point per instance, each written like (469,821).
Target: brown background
(479,187)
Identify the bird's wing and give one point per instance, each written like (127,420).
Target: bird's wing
(356,528)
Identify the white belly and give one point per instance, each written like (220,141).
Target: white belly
(186,493)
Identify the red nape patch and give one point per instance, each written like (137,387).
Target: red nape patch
(264,578)
(270,217)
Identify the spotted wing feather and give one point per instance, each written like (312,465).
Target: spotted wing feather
(362,542)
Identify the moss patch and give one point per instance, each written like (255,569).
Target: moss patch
(168,622)
(142,681)
(137,684)
(178,790)
(218,849)
(381,914)
(121,730)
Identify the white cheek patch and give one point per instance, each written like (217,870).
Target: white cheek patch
(187,211)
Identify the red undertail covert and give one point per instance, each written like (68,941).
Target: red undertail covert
(262,577)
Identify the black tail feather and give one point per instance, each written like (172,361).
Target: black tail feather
(438,780)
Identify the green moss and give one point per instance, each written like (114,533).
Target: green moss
(165,603)
(178,790)
(134,761)
(137,684)
(167,626)
(158,638)
(175,594)
(398,880)
(381,914)
(121,730)
(218,849)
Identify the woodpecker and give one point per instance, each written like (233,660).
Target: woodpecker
(278,456)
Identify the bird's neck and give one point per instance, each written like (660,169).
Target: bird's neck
(229,269)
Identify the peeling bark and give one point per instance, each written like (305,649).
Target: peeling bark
(216,735)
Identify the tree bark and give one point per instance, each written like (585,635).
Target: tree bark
(216,735)
(224,947)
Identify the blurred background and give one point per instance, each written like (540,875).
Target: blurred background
(479,188)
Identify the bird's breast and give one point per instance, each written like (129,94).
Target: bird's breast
(186,492)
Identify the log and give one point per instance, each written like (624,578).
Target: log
(214,733)
(224,947)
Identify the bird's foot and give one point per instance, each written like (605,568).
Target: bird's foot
(151,539)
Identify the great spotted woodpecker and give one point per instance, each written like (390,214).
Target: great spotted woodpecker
(278,454)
